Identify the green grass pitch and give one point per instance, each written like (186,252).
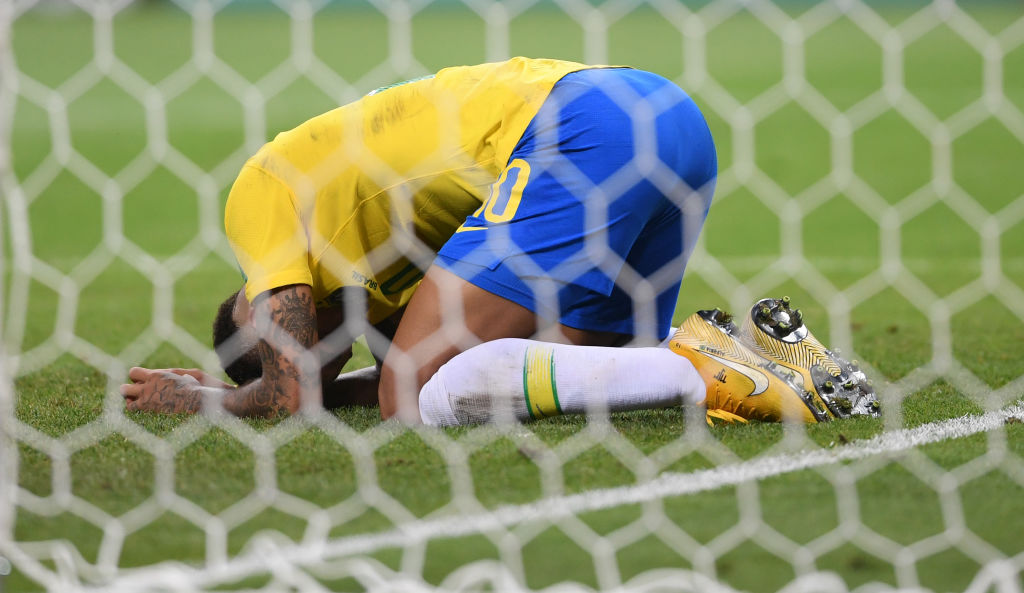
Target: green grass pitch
(840,236)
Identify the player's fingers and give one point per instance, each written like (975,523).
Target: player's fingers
(131,391)
(139,374)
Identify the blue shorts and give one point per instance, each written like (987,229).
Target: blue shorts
(593,219)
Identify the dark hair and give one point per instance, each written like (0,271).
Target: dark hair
(244,367)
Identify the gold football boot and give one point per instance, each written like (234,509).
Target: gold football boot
(741,384)
(777,332)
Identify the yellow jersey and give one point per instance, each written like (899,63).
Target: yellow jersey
(366,194)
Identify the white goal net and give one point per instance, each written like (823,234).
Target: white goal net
(870,166)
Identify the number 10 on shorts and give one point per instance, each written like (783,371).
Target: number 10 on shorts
(506,194)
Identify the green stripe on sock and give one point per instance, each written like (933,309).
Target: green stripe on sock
(526,383)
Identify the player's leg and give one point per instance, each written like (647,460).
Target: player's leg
(520,380)
(448,315)
(515,378)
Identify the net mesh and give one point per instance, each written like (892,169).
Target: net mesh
(870,162)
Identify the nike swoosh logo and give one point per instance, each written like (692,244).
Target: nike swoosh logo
(757,377)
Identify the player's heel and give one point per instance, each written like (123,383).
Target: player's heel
(776,331)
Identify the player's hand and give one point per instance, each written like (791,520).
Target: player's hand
(161,390)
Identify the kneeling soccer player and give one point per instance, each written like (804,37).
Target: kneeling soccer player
(529,191)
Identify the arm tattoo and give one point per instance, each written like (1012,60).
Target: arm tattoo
(296,315)
(294,333)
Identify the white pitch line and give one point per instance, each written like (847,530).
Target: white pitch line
(173,576)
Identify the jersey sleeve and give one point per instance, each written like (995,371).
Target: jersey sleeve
(266,232)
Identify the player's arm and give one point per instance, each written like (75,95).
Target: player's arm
(286,321)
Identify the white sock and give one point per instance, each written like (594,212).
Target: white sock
(513,379)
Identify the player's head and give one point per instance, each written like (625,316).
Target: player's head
(232,318)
